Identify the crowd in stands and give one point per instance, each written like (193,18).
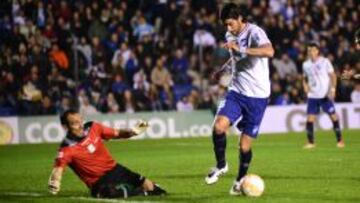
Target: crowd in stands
(112,56)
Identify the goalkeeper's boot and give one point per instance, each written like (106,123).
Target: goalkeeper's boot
(236,188)
(215,173)
(158,191)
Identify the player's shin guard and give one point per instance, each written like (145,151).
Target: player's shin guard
(337,130)
(310,132)
(245,159)
(219,141)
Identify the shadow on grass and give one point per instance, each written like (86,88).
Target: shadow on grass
(180,176)
(311,198)
(184,197)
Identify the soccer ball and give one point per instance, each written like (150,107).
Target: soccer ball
(252,185)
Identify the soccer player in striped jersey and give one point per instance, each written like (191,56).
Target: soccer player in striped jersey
(248,92)
(320,85)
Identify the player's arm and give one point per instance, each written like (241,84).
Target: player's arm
(260,45)
(333,80)
(305,84)
(138,129)
(265,50)
(62,160)
(55,180)
(110,133)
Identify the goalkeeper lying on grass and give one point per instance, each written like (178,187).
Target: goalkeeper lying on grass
(84,151)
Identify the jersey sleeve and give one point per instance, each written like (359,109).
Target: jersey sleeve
(63,158)
(106,132)
(329,66)
(259,37)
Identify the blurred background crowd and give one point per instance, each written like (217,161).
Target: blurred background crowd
(112,56)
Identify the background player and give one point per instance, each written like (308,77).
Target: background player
(320,85)
(248,92)
(84,151)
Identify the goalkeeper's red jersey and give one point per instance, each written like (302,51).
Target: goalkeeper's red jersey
(87,156)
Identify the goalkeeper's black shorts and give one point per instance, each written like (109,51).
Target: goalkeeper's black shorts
(119,182)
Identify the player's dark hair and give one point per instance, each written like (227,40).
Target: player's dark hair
(313,44)
(64,116)
(233,11)
(357,36)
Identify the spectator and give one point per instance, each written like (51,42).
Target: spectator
(204,38)
(162,82)
(180,67)
(85,50)
(355,94)
(141,91)
(285,66)
(65,104)
(126,37)
(111,104)
(184,105)
(119,86)
(143,29)
(121,56)
(59,57)
(47,107)
(283,99)
(86,108)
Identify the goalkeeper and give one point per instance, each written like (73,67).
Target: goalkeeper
(84,151)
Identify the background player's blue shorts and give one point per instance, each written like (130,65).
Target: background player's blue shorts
(313,106)
(250,109)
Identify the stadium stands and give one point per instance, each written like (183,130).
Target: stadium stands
(57,54)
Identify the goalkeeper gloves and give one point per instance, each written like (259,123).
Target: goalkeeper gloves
(140,127)
(54,186)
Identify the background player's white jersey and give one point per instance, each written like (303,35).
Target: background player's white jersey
(318,75)
(250,75)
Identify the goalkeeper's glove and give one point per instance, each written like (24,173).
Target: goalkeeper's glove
(140,127)
(54,186)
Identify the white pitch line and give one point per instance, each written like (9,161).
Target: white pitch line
(90,199)
(29,194)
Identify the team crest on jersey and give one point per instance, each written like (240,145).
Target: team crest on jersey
(91,148)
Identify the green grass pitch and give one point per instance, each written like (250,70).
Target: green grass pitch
(291,174)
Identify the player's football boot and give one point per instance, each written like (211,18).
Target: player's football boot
(236,188)
(309,146)
(158,191)
(215,173)
(340,144)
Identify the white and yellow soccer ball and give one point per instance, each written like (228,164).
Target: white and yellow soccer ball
(252,185)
